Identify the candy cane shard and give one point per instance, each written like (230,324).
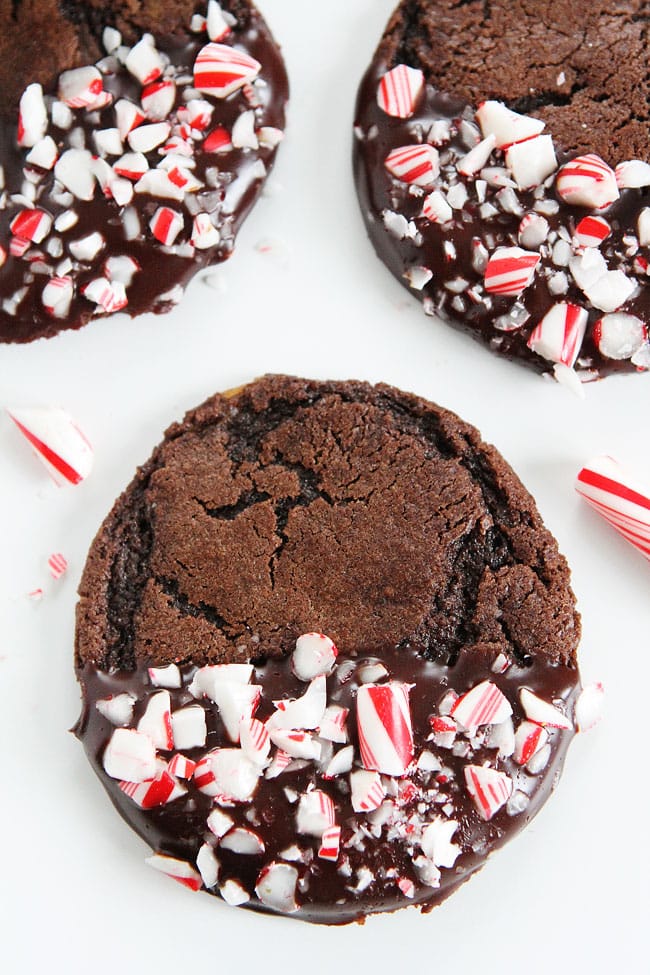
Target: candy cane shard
(220,70)
(489,789)
(505,125)
(558,336)
(589,706)
(384,727)
(587,181)
(276,887)
(542,712)
(510,270)
(156,792)
(417,164)
(179,870)
(330,843)
(315,813)
(399,91)
(619,497)
(315,654)
(483,704)
(58,442)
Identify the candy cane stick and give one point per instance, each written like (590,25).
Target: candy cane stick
(619,498)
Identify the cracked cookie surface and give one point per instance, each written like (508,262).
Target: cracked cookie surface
(359,511)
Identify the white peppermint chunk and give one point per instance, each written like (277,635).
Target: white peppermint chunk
(188,727)
(276,887)
(130,756)
(206,677)
(170,676)
(75,170)
(88,247)
(531,162)
(505,125)
(643,227)
(243,132)
(118,710)
(44,153)
(610,291)
(589,706)
(436,842)
(632,174)
(32,119)
(144,62)
(233,893)
(315,654)
(208,866)
(304,712)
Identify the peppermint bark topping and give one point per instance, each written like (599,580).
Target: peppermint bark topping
(420,788)
(483,170)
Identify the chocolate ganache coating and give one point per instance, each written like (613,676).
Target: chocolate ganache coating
(100,249)
(290,507)
(583,71)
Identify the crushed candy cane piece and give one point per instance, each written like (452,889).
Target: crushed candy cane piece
(243,841)
(130,755)
(57,441)
(181,767)
(189,727)
(367,790)
(510,270)
(315,654)
(220,70)
(57,565)
(169,677)
(529,738)
(399,91)
(592,231)
(436,842)
(489,789)
(384,727)
(315,813)
(276,887)
(589,706)
(619,336)
(208,866)
(540,711)
(156,721)
(558,337)
(505,125)
(330,843)
(417,164)
(619,497)
(587,181)
(118,709)
(179,870)
(483,704)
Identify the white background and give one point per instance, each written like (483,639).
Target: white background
(571,893)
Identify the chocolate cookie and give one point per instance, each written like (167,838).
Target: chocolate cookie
(501,165)
(327,651)
(134,140)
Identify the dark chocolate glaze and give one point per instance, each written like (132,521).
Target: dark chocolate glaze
(377,133)
(230,198)
(178,829)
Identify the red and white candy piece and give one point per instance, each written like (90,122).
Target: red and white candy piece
(57,564)
(157,721)
(510,270)
(58,442)
(592,231)
(233,893)
(179,870)
(418,164)
(216,24)
(367,790)
(632,174)
(436,209)
(332,726)
(56,296)
(399,91)
(483,704)
(255,740)
(81,87)
(208,865)
(181,767)
(477,157)
(620,498)
(220,70)
(541,712)
(619,336)
(169,677)
(489,789)
(589,706)
(130,755)
(315,813)
(243,841)
(219,822)
(218,140)
(281,761)
(227,772)
(297,744)
(147,137)
(166,224)
(384,727)
(529,738)
(204,232)
(32,116)
(188,727)
(132,165)
(118,710)
(304,712)
(505,125)
(128,116)
(315,654)
(144,62)
(587,181)
(33,225)
(533,230)
(276,887)
(206,678)
(340,763)
(237,703)
(157,792)
(330,843)
(558,337)
(44,154)
(87,248)
(158,99)
(110,296)
(532,161)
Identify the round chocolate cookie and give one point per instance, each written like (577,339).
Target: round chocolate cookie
(327,651)
(501,160)
(134,140)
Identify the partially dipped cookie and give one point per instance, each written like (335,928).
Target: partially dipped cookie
(135,140)
(327,651)
(502,166)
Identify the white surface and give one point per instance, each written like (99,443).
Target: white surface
(571,893)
